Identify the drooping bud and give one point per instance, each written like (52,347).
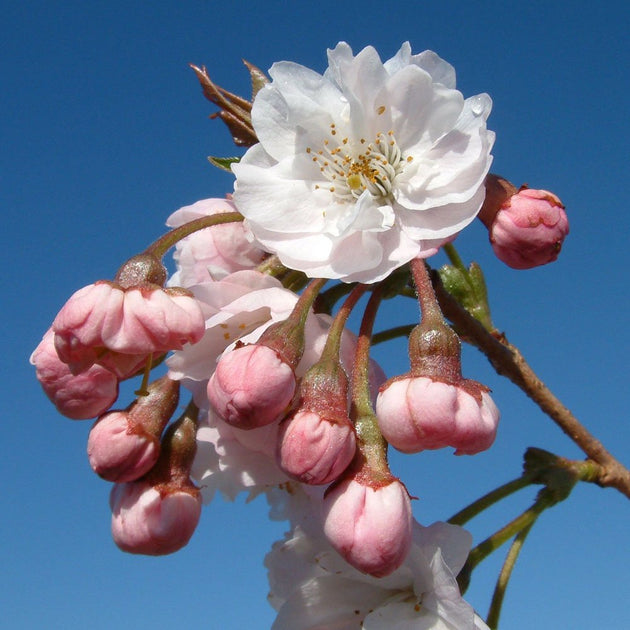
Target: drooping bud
(159,513)
(253,385)
(433,405)
(80,396)
(317,442)
(153,521)
(367,512)
(420,413)
(369,522)
(527,228)
(124,445)
(121,328)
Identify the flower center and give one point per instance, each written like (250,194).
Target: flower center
(354,167)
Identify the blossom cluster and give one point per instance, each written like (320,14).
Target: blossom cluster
(357,176)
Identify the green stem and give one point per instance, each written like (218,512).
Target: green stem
(500,537)
(494,612)
(333,341)
(164,243)
(392,333)
(361,397)
(371,455)
(302,306)
(146,372)
(489,499)
(294,281)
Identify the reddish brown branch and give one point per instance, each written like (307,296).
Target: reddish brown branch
(509,362)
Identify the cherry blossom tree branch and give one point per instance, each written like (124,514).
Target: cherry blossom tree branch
(508,361)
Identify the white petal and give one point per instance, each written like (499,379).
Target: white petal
(359,79)
(404,616)
(277,198)
(401,59)
(453,541)
(297,98)
(441,71)
(442,221)
(329,603)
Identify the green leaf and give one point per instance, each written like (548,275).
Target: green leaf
(224,163)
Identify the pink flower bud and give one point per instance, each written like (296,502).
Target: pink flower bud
(153,520)
(418,413)
(529,228)
(314,449)
(119,450)
(124,445)
(104,319)
(369,525)
(251,387)
(79,397)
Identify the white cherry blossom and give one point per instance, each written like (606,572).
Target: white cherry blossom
(365,167)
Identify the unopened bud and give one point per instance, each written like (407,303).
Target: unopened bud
(158,514)
(314,450)
(434,406)
(251,386)
(418,413)
(121,328)
(369,524)
(153,520)
(527,230)
(124,445)
(80,396)
(317,442)
(118,450)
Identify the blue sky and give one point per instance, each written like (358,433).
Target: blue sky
(105,133)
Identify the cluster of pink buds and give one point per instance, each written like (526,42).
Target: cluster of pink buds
(322,439)
(108,332)
(282,391)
